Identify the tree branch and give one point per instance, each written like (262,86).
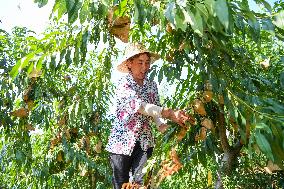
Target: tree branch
(237,148)
(222,129)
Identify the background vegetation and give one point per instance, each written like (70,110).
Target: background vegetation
(225,59)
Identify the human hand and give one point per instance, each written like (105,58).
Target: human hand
(178,116)
(163,128)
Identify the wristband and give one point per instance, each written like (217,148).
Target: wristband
(150,110)
(159,121)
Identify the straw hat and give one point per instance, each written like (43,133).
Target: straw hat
(131,50)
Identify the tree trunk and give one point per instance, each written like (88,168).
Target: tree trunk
(231,153)
(219,184)
(228,161)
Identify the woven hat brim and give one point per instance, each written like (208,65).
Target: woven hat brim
(122,67)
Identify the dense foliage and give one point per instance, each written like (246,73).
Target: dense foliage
(225,59)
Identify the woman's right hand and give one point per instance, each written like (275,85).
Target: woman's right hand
(178,116)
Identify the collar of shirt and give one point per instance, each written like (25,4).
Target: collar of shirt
(133,82)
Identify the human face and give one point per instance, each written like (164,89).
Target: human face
(139,66)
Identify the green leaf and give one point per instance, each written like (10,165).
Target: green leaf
(62,54)
(222,12)
(76,110)
(60,6)
(278,151)
(239,22)
(27,59)
(84,12)
(244,5)
(72,9)
(263,144)
(180,20)
(76,56)
(140,14)
(210,4)
(195,20)
(160,75)
(263,126)
(83,46)
(281,78)
(202,9)
(21,64)
(122,8)
(171,12)
(69,4)
(41,3)
(241,121)
(255,26)
(279,20)
(275,106)
(68,57)
(19,155)
(15,69)
(102,11)
(267,25)
(30,69)
(39,62)
(282,139)
(89,105)
(153,72)
(266,5)
(277,131)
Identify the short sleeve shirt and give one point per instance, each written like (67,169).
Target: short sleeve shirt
(130,126)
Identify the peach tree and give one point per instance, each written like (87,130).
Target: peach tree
(225,59)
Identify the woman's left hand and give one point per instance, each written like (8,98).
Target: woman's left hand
(163,128)
(178,116)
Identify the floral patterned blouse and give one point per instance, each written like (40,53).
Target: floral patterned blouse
(131,126)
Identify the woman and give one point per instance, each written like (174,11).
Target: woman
(131,142)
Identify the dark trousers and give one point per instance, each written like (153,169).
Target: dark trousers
(122,164)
